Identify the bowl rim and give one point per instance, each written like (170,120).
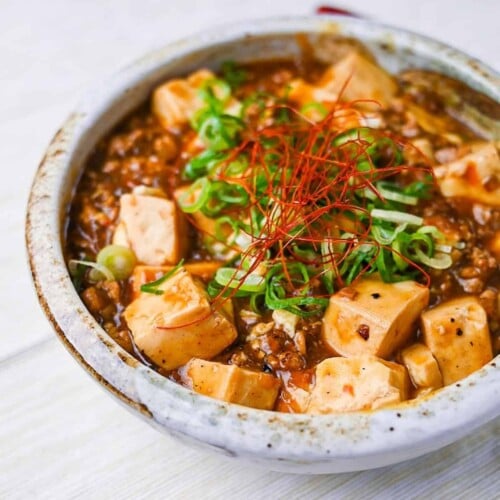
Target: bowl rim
(295,438)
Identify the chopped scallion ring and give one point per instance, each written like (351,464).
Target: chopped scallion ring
(313,108)
(118,259)
(195,196)
(223,223)
(236,278)
(102,272)
(397,217)
(399,197)
(153,287)
(205,162)
(439,261)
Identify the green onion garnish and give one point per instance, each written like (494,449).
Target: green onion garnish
(439,261)
(397,217)
(200,190)
(153,287)
(243,281)
(101,272)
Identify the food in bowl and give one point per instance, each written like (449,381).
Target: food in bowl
(297,236)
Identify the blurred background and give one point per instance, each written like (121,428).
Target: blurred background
(61,436)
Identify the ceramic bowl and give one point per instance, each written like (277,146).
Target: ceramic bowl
(278,441)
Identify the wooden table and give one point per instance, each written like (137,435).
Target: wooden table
(61,436)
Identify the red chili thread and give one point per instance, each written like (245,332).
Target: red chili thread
(302,188)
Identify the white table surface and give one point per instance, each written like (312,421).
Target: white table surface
(61,436)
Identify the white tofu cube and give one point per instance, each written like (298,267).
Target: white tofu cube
(179,324)
(458,336)
(355,77)
(469,176)
(422,367)
(304,93)
(175,102)
(373,317)
(359,383)
(232,384)
(146,274)
(152,227)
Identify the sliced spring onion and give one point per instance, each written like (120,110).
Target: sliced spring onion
(101,272)
(256,302)
(118,259)
(354,134)
(304,253)
(328,277)
(314,108)
(275,299)
(386,236)
(248,260)
(377,148)
(203,163)
(153,287)
(420,189)
(226,229)
(432,230)
(237,166)
(438,261)
(399,246)
(397,217)
(423,242)
(229,193)
(358,259)
(276,296)
(215,89)
(219,132)
(389,194)
(236,278)
(195,196)
(383,266)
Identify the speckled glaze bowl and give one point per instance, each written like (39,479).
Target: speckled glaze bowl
(284,442)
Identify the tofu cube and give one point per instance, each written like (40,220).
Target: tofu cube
(179,324)
(304,93)
(232,384)
(175,102)
(469,176)
(358,383)
(355,77)
(458,336)
(422,367)
(373,317)
(147,274)
(152,227)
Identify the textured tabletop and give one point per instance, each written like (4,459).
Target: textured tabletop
(61,436)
